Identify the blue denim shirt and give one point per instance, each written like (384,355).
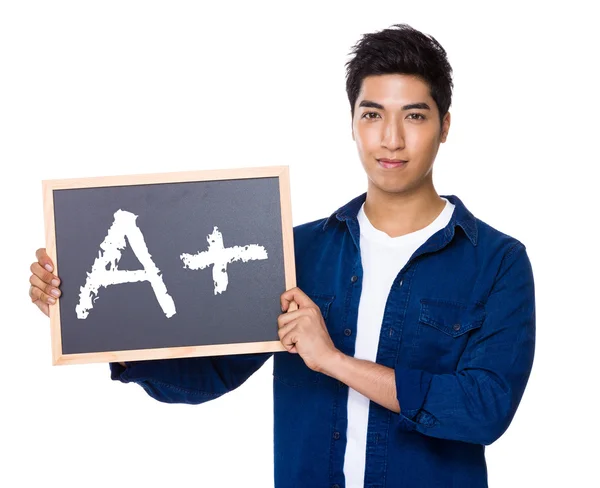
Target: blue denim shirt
(458,330)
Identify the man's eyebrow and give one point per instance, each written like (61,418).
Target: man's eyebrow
(421,105)
(410,106)
(370,104)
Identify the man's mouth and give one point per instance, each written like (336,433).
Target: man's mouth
(392,163)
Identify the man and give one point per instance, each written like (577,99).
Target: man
(414,334)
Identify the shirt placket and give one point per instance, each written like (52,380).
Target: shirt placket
(353,288)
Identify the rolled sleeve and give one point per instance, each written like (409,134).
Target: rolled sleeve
(412,387)
(477,403)
(116,372)
(189,380)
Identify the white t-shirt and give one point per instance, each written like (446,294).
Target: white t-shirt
(382,259)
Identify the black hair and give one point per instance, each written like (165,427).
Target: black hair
(401,49)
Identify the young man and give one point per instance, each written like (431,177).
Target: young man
(414,336)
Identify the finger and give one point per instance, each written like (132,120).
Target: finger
(46,288)
(287,336)
(44,260)
(44,275)
(286,318)
(295,295)
(37,294)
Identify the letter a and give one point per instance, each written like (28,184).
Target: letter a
(105,272)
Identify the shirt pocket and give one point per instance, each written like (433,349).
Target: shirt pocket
(444,328)
(289,368)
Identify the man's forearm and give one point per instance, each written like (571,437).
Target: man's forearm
(376,382)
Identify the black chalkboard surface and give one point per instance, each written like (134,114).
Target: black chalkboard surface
(169,265)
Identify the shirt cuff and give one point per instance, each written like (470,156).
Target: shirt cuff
(412,386)
(139,371)
(116,372)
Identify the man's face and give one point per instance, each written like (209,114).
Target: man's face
(396,127)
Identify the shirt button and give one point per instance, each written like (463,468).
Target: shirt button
(456,327)
(335,486)
(336,435)
(347,332)
(401,281)
(354,279)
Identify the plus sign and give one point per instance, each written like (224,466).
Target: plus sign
(220,256)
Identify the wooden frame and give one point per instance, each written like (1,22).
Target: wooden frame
(48,186)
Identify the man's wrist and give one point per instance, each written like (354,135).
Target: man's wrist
(334,364)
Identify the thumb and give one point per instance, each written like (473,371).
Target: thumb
(294,295)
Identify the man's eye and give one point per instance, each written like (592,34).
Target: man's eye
(370,113)
(416,116)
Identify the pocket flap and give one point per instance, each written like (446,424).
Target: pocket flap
(452,318)
(323,302)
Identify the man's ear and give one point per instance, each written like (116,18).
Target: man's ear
(445,127)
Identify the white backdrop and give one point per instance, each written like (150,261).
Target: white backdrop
(120,87)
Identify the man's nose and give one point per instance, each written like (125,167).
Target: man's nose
(393,136)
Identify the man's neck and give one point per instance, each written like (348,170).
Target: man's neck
(398,214)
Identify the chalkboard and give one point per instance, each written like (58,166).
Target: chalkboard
(169,265)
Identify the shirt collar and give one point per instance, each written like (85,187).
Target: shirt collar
(461,216)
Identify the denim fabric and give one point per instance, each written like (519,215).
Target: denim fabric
(458,329)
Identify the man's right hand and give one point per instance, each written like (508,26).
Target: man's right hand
(44,285)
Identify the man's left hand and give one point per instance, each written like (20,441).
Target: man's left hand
(303,331)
